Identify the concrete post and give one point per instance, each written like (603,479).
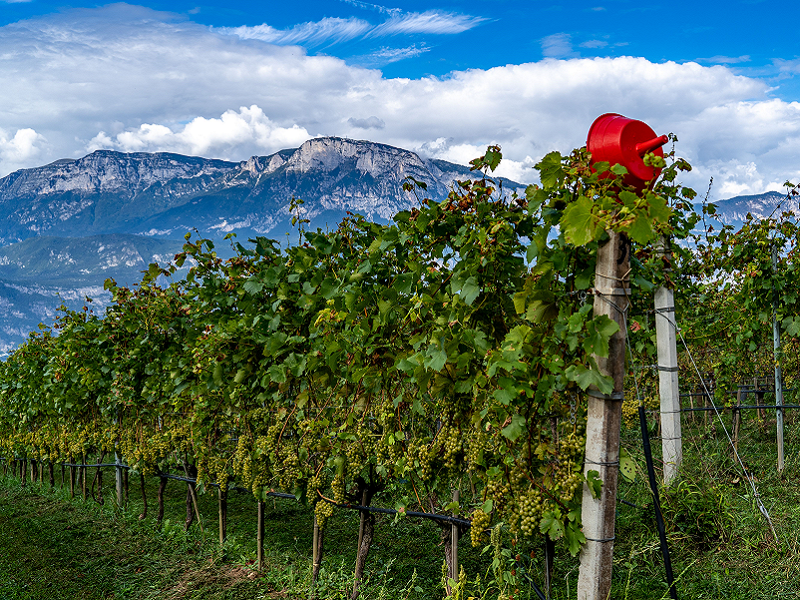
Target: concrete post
(671,447)
(603,424)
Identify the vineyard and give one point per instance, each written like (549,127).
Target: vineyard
(437,368)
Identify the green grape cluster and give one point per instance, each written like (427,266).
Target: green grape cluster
(480,523)
(451,444)
(498,490)
(530,509)
(323,511)
(338,488)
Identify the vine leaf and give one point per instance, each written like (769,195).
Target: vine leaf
(578,222)
(627,466)
(595,483)
(514,429)
(586,377)
(551,524)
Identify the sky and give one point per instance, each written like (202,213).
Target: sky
(228,79)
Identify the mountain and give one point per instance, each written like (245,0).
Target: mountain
(67,226)
(168,194)
(74,262)
(733,211)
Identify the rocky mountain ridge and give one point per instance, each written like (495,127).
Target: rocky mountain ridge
(166,194)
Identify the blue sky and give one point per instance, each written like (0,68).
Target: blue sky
(232,79)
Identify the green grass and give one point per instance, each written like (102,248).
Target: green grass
(51,546)
(722,548)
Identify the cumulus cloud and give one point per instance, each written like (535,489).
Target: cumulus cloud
(20,149)
(218,137)
(134,79)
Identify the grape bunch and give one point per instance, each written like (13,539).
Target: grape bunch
(480,523)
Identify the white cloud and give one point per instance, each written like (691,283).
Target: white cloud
(386,56)
(368,123)
(725,60)
(21,148)
(233,131)
(335,30)
(593,44)
(369,6)
(430,21)
(330,29)
(130,78)
(558,45)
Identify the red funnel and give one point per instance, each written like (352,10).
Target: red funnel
(618,140)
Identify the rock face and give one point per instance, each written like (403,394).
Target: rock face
(167,194)
(733,211)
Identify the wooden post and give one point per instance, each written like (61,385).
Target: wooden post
(318,550)
(23,470)
(549,555)
(776,341)
(260,535)
(604,419)
(362,517)
(83,477)
(671,447)
(222,497)
(737,418)
(119,482)
(454,543)
(125,486)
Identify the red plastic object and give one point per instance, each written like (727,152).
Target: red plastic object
(618,140)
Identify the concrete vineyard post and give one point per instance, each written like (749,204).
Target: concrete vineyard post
(666,343)
(604,419)
(315,546)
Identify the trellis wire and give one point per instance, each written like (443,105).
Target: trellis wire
(762,509)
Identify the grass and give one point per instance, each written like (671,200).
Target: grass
(721,546)
(51,546)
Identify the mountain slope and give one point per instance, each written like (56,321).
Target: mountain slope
(733,211)
(168,194)
(76,262)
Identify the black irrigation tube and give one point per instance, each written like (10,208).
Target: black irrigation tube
(409,513)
